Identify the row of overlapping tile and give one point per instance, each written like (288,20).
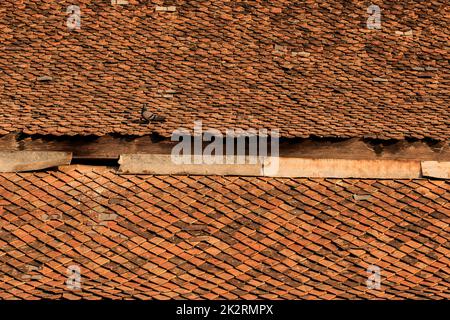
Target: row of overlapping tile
(196,237)
(306,67)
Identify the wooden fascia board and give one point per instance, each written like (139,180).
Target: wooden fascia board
(20,161)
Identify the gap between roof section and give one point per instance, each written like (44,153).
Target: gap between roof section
(112,146)
(163,164)
(313,157)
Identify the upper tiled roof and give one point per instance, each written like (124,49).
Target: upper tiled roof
(305,67)
(221,237)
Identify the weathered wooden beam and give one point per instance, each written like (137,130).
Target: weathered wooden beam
(111,147)
(86,147)
(162,164)
(346,168)
(9,142)
(18,161)
(436,169)
(274,167)
(365,149)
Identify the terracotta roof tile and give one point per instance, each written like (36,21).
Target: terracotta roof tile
(307,68)
(149,248)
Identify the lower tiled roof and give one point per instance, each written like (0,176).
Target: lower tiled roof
(221,237)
